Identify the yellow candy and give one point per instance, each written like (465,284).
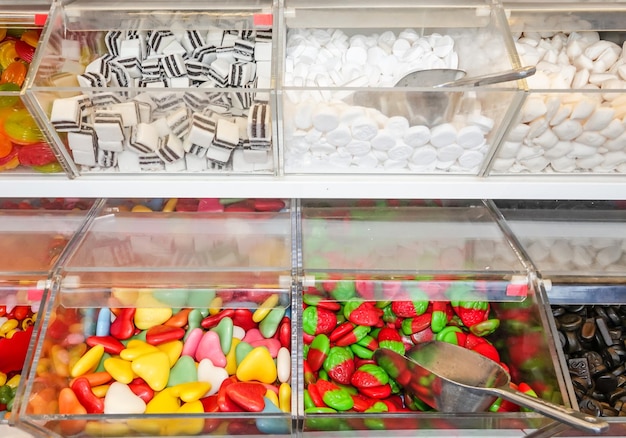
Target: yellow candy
(265,308)
(284,397)
(75,353)
(126,296)
(151,427)
(120,369)
(215,306)
(10,334)
(154,368)
(257,365)
(170,205)
(191,391)
(231,358)
(89,362)
(100,391)
(165,402)
(7,53)
(271,396)
(97,428)
(140,209)
(3,378)
(188,426)
(60,361)
(136,348)
(9,325)
(149,312)
(173,349)
(14,381)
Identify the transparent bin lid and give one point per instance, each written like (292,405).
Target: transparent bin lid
(580,252)
(32,241)
(178,258)
(397,249)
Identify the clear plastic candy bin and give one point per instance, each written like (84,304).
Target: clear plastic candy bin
(158,87)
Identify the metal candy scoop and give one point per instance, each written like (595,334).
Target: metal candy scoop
(450,378)
(430,107)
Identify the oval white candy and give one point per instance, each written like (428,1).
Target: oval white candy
(442,135)
(368,161)
(614,129)
(417,135)
(583,109)
(358,147)
(363,128)
(303,117)
(518,132)
(591,138)
(533,107)
(563,113)
(401,151)
(563,164)
(589,162)
(338,159)
(325,118)
(470,136)
(340,136)
(356,55)
(395,164)
(536,164)
(580,150)
(322,148)
(449,153)
(537,127)
(568,130)
(424,156)
(383,141)
(546,140)
(397,126)
(614,158)
(600,119)
(509,149)
(558,150)
(470,159)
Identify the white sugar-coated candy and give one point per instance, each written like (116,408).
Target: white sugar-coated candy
(503,164)
(559,150)
(375,55)
(583,109)
(351,113)
(442,135)
(568,130)
(470,159)
(380,155)
(580,150)
(363,128)
(444,165)
(599,78)
(563,164)
(561,251)
(518,132)
(614,129)
(616,144)
(470,136)
(539,81)
(368,161)
(583,63)
(528,152)
(562,113)
(450,152)
(509,149)
(591,138)
(581,78)
(400,46)
(397,126)
(340,136)
(600,119)
(546,140)
(383,141)
(359,147)
(595,50)
(485,123)
(356,55)
(417,135)
(401,151)
(537,127)
(303,115)
(614,158)
(553,103)
(533,108)
(325,118)
(589,162)
(424,156)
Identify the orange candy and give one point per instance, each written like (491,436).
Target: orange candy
(5,145)
(69,405)
(30,37)
(15,73)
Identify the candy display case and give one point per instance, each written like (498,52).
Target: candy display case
(32,241)
(219,281)
(579,255)
(572,121)
(154,87)
(342,110)
(23,148)
(393,276)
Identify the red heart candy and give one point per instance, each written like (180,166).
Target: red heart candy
(247,395)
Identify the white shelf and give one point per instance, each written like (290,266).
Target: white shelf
(553,187)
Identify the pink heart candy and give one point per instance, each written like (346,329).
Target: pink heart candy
(209,348)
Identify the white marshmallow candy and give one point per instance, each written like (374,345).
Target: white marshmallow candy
(443,135)
(469,137)
(471,159)
(340,136)
(359,147)
(325,118)
(363,128)
(383,141)
(400,152)
(424,156)
(417,135)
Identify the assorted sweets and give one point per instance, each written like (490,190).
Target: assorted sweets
(334,124)
(22,145)
(200,99)
(592,340)
(573,119)
(212,205)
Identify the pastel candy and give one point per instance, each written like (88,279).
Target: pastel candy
(148,317)
(120,369)
(103,324)
(269,324)
(209,373)
(443,135)
(164,402)
(253,335)
(191,391)
(192,341)
(272,345)
(231,358)
(241,351)
(183,371)
(238,332)
(224,330)
(173,350)
(119,399)
(154,368)
(283,365)
(257,365)
(269,424)
(210,348)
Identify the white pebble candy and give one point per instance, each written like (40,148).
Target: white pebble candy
(443,135)
(518,132)
(581,150)
(537,127)
(397,126)
(394,164)
(614,129)
(589,162)
(503,164)
(563,164)
(562,113)
(340,136)
(417,135)
(616,144)
(340,159)
(449,153)
(600,119)
(583,109)
(443,45)
(568,130)
(383,141)
(363,128)
(509,149)
(591,138)
(400,46)
(325,118)
(546,140)
(401,151)
(559,150)
(608,256)
(303,115)
(423,156)
(534,107)
(614,159)
(581,78)
(469,137)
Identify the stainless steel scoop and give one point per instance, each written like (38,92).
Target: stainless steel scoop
(430,107)
(450,378)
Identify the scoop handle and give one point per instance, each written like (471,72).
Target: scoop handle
(493,78)
(576,419)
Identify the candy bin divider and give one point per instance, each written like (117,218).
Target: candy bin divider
(53,283)
(297,345)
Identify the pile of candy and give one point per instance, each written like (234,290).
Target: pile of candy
(342,329)
(21,141)
(592,338)
(579,127)
(152,360)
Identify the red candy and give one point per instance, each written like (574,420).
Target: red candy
(247,395)
(160,334)
(110,344)
(123,327)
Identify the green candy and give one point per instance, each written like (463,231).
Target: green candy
(485,328)
(309,320)
(438,321)
(5,394)
(388,315)
(448,334)
(172,297)
(183,371)
(361,352)
(308,401)
(376,423)
(338,399)
(224,330)
(193,321)
(396,346)
(269,325)
(322,375)
(350,307)
(336,357)
(344,290)
(200,298)
(241,351)
(375,371)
